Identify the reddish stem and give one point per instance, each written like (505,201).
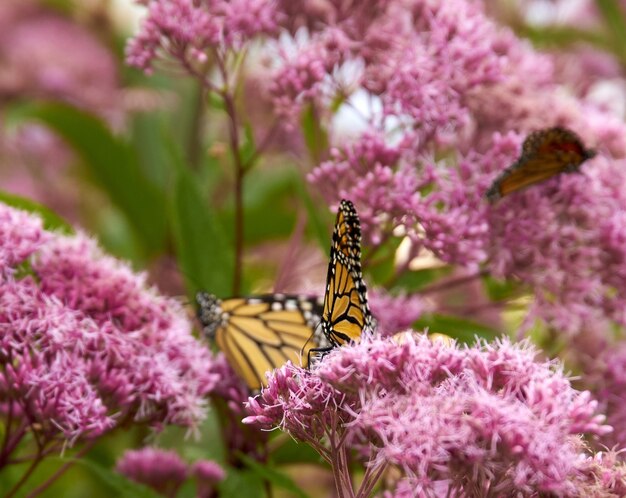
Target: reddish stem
(46,484)
(449,284)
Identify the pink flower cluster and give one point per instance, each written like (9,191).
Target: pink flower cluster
(186,30)
(457,94)
(165,471)
(85,344)
(34,47)
(469,421)
(608,372)
(396,313)
(562,237)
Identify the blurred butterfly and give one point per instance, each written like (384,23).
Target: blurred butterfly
(346,312)
(261,333)
(545,153)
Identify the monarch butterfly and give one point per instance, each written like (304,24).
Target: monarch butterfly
(260,333)
(346,312)
(545,153)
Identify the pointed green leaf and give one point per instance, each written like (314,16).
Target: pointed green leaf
(274,476)
(122,486)
(241,483)
(613,15)
(315,136)
(114,166)
(462,329)
(51,220)
(204,253)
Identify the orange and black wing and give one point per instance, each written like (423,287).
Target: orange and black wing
(259,334)
(545,153)
(346,312)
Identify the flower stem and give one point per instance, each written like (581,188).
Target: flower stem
(449,284)
(31,468)
(46,484)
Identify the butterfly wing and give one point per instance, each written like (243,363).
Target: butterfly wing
(545,153)
(259,334)
(346,312)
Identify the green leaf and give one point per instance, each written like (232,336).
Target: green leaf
(272,475)
(247,148)
(318,217)
(113,164)
(291,451)
(268,206)
(563,36)
(500,290)
(380,265)
(216,102)
(204,253)
(461,329)
(241,483)
(51,220)
(123,487)
(412,281)
(613,16)
(315,136)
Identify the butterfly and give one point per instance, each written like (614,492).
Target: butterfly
(258,334)
(261,333)
(545,153)
(346,314)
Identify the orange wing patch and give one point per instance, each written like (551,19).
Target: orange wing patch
(545,153)
(346,312)
(259,334)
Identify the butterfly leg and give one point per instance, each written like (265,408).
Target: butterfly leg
(317,353)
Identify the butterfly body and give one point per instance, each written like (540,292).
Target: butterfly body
(260,333)
(545,153)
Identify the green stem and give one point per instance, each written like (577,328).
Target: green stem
(46,484)
(31,468)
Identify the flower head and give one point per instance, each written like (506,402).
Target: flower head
(162,470)
(485,417)
(85,343)
(186,30)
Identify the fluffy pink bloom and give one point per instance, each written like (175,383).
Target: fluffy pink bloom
(486,417)
(34,52)
(608,373)
(567,239)
(395,313)
(162,470)
(207,473)
(186,30)
(562,238)
(85,344)
(603,475)
(20,236)
(34,48)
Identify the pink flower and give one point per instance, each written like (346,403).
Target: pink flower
(162,470)
(20,236)
(186,30)
(207,473)
(396,313)
(34,50)
(603,475)
(85,344)
(486,417)
(608,374)
(566,239)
